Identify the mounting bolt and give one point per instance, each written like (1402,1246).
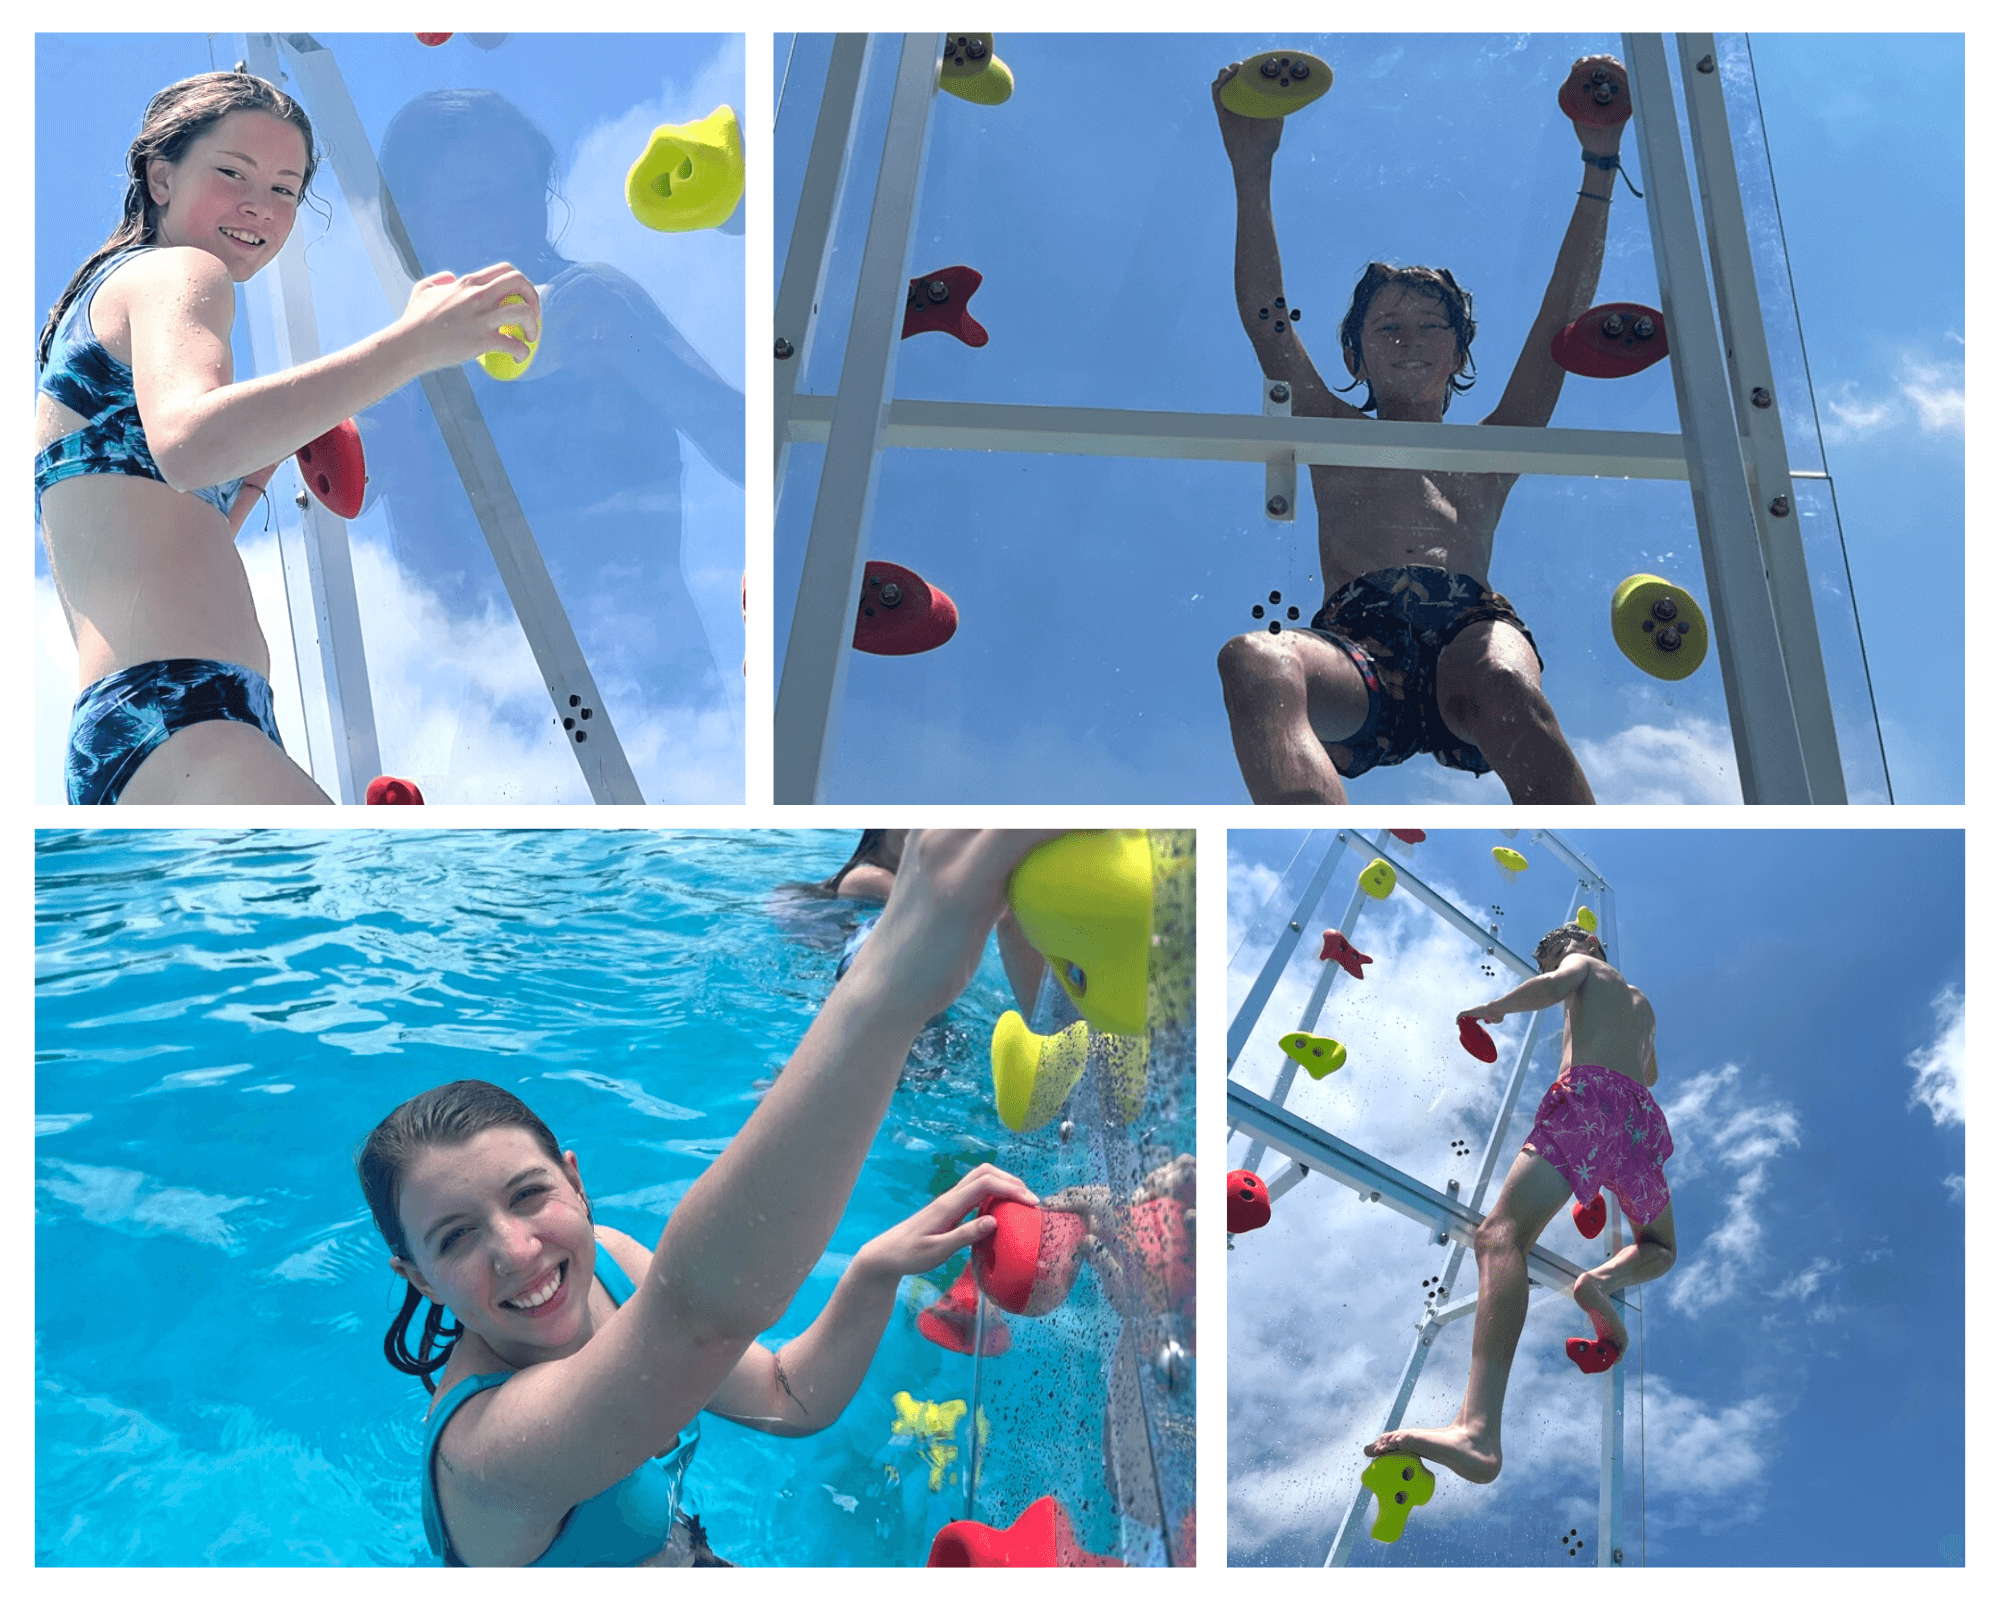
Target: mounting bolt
(937,291)
(1281,392)
(1705,64)
(1761,399)
(299,499)
(1618,1558)
(782,349)
(1277,505)
(1296,928)
(1781,507)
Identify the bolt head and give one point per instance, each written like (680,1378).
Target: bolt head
(782,349)
(1781,507)
(1281,392)
(1277,505)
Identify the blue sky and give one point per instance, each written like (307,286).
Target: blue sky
(460,703)
(1097,205)
(1810,994)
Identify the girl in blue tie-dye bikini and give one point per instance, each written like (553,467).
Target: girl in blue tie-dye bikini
(150,456)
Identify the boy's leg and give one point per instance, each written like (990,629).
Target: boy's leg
(1532,1194)
(1289,695)
(1489,693)
(1649,1255)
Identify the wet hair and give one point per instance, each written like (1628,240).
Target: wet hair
(415,135)
(175,117)
(1556,938)
(451,1114)
(1439,285)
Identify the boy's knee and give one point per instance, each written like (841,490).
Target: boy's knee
(1252,661)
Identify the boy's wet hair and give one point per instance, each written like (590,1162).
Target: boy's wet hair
(1439,285)
(448,1115)
(1556,938)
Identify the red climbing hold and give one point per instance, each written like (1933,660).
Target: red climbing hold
(1592,1355)
(936,303)
(1249,1202)
(1029,1261)
(1477,1040)
(1596,94)
(432,38)
(1409,835)
(1040,1537)
(900,614)
(1589,1219)
(949,1321)
(394,792)
(1334,947)
(335,471)
(1611,341)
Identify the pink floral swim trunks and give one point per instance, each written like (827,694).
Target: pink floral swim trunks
(1602,1130)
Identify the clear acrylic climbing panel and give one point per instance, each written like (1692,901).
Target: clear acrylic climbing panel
(1093,593)
(1330,1344)
(623,443)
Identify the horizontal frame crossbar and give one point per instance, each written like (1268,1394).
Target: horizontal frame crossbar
(1319,1151)
(1232,436)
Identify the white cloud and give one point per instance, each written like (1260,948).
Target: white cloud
(1932,391)
(1939,1064)
(1716,1125)
(1852,417)
(1692,762)
(1250,884)
(1954,1181)
(1938,395)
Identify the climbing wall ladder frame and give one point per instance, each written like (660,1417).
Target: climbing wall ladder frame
(318,567)
(1729,450)
(1450,1218)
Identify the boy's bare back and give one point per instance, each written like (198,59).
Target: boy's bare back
(1607,1022)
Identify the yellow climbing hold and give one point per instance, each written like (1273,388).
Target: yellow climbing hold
(504,364)
(1586,919)
(1085,902)
(933,1426)
(972,71)
(1659,626)
(1400,1483)
(1318,1056)
(1512,860)
(1276,84)
(1124,1062)
(1033,1073)
(1378,878)
(691,175)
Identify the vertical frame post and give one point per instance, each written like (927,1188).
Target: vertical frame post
(807,724)
(1769,759)
(1757,420)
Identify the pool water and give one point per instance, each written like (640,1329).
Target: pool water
(220,1019)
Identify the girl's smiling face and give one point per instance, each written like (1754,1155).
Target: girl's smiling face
(502,1236)
(234,192)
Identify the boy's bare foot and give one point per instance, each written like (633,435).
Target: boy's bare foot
(1454,1447)
(1591,1295)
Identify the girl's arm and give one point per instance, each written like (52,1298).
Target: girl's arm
(744,1237)
(178,305)
(805,1386)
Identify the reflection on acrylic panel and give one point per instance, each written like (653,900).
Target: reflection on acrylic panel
(1743,1406)
(622,442)
(1093,593)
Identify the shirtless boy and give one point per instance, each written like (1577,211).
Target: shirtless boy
(1412,650)
(1597,1128)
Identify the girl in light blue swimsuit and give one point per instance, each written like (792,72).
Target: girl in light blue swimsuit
(568,1390)
(209,213)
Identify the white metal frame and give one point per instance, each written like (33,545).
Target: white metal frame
(1450,1218)
(319,579)
(1767,644)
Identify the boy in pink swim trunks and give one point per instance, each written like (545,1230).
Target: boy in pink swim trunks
(1597,1128)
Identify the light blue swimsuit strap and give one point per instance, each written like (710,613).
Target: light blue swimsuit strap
(628,1522)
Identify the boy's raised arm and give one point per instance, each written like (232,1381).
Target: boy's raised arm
(1252,143)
